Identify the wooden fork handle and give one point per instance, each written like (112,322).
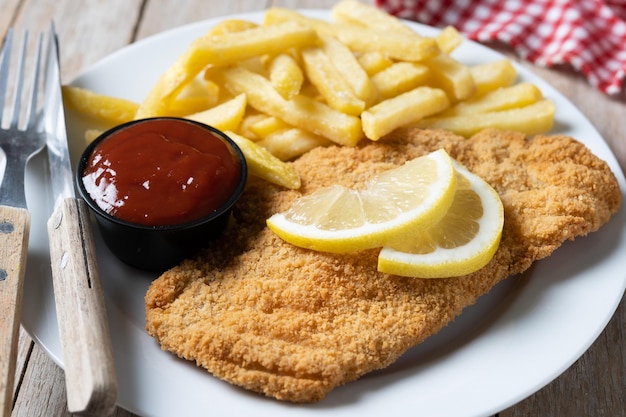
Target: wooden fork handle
(83,325)
(14,231)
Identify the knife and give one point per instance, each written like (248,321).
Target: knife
(90,374)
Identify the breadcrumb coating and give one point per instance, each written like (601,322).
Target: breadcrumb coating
(293,324)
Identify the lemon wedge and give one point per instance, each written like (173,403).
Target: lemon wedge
(263,164)
(463,241)
(391,206)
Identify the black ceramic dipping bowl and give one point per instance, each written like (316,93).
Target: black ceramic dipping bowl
(157,247)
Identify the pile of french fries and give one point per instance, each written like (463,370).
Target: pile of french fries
(292,83)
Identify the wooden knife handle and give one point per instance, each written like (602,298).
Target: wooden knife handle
(14,231)
(90,375)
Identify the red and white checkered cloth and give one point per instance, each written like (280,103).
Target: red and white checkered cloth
(589,35)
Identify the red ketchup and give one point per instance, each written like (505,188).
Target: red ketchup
(161,172)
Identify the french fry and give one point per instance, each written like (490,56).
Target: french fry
(300,111)
(255,64)
(394,44)
(281,139)
(188,105)
(374,62)
(493,75)
(449,39)
(157,101)
(226,116)
(111,110)
(323,120)
(451,76)
(234,47)
(222,50)
(267,125)
(531,120)
(402,110)
(295,82)
(250,118)
(197,95)
(349,68)
(285,75)
(91,135)
(399,78)
(231,26)
(309,90)
(276,15)
(355,12)
(330,83)
(518,95)
(263,164)
(287,144)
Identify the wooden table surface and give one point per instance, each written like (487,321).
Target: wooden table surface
(90,30)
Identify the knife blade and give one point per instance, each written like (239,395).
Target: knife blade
(90,375)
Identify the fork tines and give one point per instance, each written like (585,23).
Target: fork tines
(12,79)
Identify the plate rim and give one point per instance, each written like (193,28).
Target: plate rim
(602,148)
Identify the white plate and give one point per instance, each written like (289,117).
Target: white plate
(513,342)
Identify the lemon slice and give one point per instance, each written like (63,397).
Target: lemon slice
(338,219)
(464,241)
(263,164)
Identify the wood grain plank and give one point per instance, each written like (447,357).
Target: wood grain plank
(83,42)
(43,388)
(43,391)
(24,349)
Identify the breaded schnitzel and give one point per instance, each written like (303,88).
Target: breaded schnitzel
(293,323)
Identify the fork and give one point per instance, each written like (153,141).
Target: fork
(19,141)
